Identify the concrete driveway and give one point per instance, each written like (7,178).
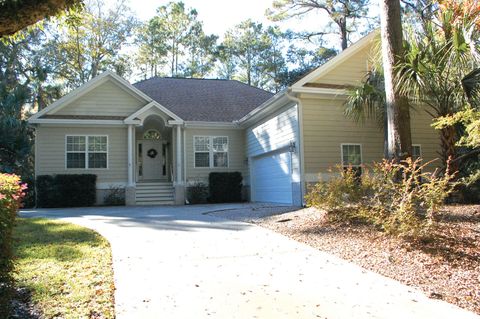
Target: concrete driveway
(177,262)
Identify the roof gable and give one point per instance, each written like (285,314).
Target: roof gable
(347,68)
(108,79)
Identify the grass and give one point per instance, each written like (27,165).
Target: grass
(66,268)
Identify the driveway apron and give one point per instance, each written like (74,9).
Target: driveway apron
(178,262)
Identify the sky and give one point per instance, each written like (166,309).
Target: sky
(220,15)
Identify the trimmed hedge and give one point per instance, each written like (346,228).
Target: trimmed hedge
(11,195)
(66,190)
(225,187)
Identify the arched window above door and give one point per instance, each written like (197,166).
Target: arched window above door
(152,135)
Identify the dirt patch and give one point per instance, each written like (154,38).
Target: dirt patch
(446,267)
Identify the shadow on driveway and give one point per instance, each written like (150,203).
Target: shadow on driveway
(163,218)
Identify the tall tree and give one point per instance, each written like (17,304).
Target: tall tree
(24,86)
(151,56)
(175,38)
(437,61)
(303,60)
(254,55)
(201,53)
(91,42)
(345,16)
(397,107)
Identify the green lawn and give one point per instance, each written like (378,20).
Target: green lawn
(67,268)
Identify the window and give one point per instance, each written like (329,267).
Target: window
(416,151)
(210,151)
(152,135)
(86,151)
(351,155)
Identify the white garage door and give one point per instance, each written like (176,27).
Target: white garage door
(272,178)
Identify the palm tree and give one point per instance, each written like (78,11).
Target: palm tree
(435,63)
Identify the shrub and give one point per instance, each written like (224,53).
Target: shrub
(115,196)
(67,190)
(11,194)
(401,199)
(197,193)
(225,187)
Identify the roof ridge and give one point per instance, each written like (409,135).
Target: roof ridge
(204,79)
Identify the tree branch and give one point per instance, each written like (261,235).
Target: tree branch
(18,14)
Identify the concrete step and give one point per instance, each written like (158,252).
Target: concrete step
(150,197)
(154,191)
(160,202)
(154,184)
(151,188)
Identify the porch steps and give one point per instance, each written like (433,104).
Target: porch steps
(154,193)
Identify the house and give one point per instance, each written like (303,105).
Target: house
(159,136)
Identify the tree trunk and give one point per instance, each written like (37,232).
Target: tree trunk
(398,110)
(448,140)
(343,33)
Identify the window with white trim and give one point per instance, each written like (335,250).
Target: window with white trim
(416,151)
(351,155)
(86,151)
(210,151)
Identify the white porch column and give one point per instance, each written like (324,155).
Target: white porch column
(178,179)
(130,189)
(130,155)
(179,186)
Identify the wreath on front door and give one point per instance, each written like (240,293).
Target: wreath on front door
(152,153)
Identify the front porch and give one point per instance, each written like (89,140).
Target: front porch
(154,158)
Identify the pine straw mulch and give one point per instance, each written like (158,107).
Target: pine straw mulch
(447,267)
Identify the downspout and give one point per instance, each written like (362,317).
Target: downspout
(300,142)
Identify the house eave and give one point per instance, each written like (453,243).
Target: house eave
(73,121)
(212,125)
(264,109)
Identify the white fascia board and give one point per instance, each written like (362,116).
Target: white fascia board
(310,90)
(87,87)
(276,101)
(147,107)
(175,122)
(334,62)
(75,121)
(212,125)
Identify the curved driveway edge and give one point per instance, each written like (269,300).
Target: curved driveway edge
(177,262)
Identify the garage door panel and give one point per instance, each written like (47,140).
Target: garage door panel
(272,178)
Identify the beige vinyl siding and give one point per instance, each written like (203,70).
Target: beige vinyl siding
(325,128)
(107,99)
(236,153)
(425,136)
(349,72)
(50,156)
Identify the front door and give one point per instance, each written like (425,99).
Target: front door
(152,160)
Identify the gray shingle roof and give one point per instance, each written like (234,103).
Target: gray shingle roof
(204,99)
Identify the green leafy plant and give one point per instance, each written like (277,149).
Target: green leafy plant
(225,187)
(66,190)
(11,195)
(115,196)
(197,193)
